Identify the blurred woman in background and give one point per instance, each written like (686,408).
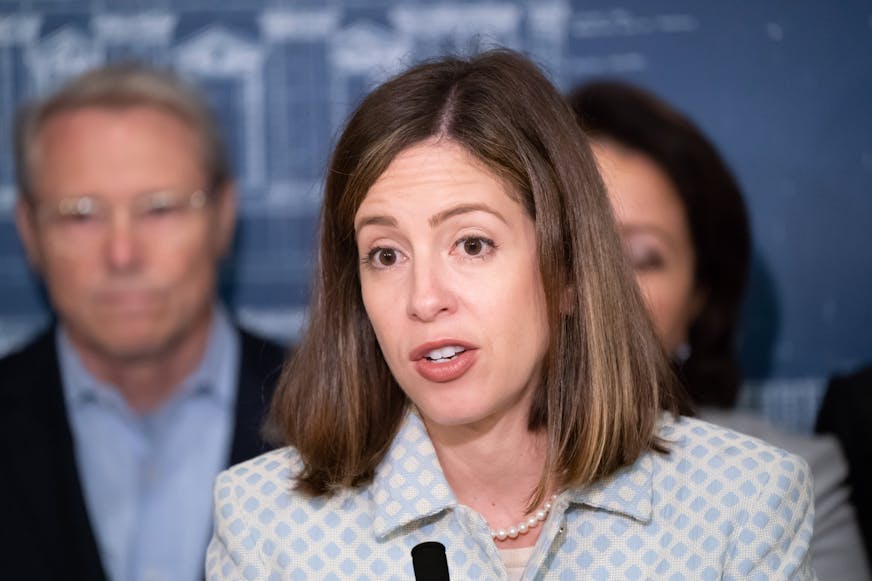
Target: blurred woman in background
(685,231)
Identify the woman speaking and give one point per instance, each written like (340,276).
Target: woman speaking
(479,371)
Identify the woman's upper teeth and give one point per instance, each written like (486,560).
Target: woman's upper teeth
(445,352)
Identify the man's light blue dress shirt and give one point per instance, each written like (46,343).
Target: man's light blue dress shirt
(720,506)
(147,478)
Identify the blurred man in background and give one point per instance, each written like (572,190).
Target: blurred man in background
(115,421)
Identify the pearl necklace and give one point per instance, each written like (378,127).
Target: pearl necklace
(524,526)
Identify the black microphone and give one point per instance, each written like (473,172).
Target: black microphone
(429,562)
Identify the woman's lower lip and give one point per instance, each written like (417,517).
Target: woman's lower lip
(445,371)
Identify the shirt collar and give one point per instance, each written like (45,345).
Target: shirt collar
(210,376)
(628,492)
(79,385)
(409,484)
(214,375)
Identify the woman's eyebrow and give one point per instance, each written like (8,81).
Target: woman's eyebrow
(375,221)
(658,232)
(437,219)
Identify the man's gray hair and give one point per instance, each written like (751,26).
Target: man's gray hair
(121,86)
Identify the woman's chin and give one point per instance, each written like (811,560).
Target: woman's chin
(440,415)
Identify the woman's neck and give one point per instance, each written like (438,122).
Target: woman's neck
(494,468)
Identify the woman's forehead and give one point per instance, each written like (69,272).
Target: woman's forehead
(440,165)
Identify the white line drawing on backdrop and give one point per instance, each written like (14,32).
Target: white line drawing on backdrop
(230,69)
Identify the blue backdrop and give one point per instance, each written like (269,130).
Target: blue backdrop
(784,88)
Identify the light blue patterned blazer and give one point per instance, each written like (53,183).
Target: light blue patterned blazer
(721,505)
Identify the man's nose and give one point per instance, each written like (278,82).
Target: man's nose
(122,244)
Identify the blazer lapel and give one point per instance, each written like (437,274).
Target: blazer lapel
(260,365)
(43,480)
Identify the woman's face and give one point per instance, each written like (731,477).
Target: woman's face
(653,225)
(451,284)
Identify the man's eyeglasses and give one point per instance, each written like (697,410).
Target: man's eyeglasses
(89,211)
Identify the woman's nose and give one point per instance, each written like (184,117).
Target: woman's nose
(431,294)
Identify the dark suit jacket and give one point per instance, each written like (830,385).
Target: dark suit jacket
(44,528)
(847,412)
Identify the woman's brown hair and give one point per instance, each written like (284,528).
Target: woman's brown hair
(604,380)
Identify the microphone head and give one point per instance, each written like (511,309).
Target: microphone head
(429,561)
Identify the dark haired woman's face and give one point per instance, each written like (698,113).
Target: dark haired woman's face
(656,235)
(450,281)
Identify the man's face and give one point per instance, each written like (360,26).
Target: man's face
(129,253)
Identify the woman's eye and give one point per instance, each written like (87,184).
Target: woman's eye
(475,246)
(382,257)
(647,260)
(645,255)
(387,257)
(472,246)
